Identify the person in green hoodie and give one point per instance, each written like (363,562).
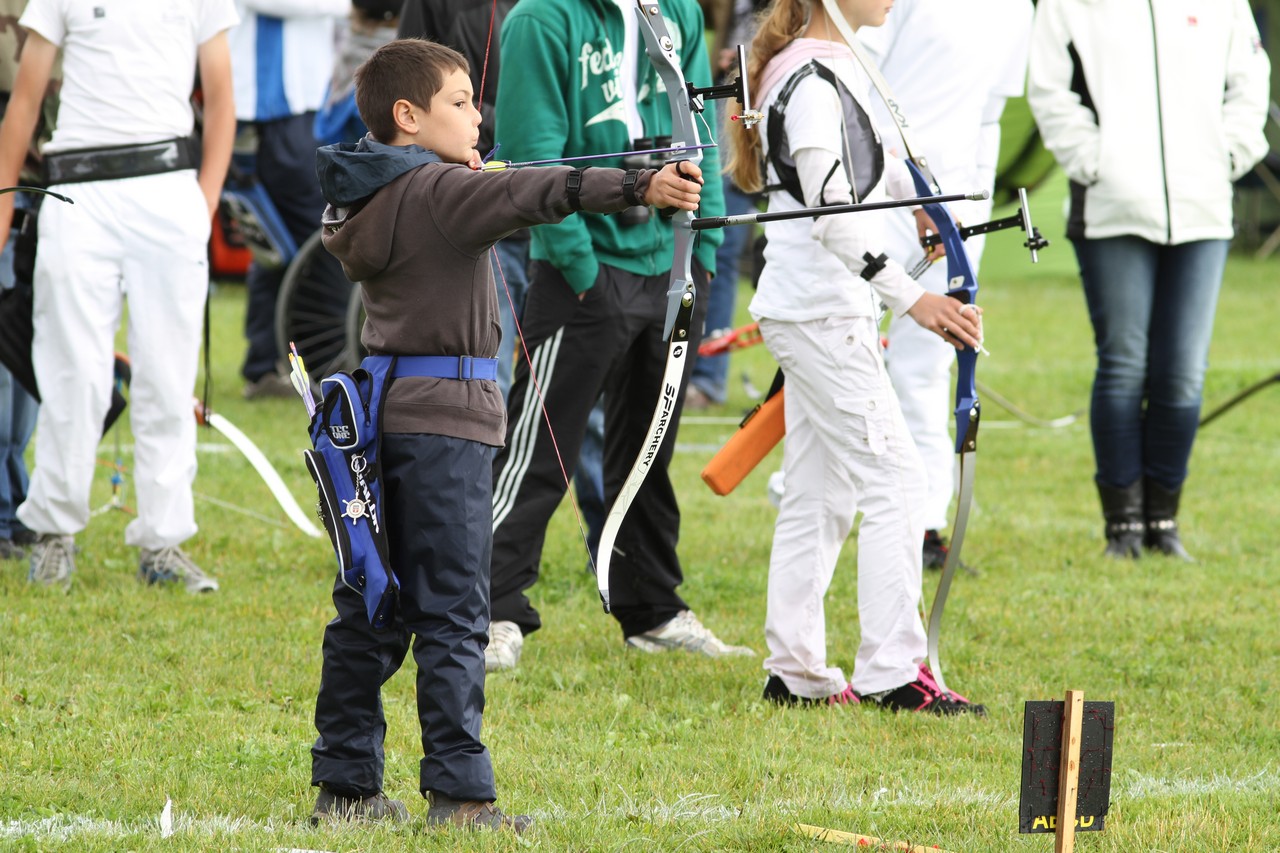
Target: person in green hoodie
(413,222)
(575,81)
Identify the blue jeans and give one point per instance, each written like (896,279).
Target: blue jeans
(588,481)
(513,270)
(513,258)
(17,421)
(285,165)
(711,373)
(1152,309)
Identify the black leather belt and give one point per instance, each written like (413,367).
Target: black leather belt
(122,161)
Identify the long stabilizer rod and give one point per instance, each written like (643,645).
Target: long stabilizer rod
(706,222)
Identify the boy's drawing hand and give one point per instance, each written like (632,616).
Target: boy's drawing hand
(676,185)
(956,323)
(475,160)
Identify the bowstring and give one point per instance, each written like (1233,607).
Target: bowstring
(524,345)
(546,415)
(488,43)
(849,169)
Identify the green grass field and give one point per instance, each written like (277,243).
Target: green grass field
(115,696)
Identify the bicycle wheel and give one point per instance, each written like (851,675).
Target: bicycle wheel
(314,311)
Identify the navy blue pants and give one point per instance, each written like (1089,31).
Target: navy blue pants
(286,168)
(437,493)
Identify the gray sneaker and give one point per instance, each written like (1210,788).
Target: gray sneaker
(170,565)
(52,559)
(473,814)
(332,806)
(268,385)
(10,550)
(686,633)
(505,642)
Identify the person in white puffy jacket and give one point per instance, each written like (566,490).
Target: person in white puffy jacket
(1152,110)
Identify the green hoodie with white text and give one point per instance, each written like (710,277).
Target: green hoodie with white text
(560,95)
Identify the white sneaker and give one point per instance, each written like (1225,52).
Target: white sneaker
(52,560)
(686,633)
(171,565)
(505,641)
(777,488)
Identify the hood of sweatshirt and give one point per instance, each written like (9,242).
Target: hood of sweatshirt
(351,172)
(358,222)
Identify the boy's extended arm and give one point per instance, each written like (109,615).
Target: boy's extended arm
(219,131)
(484,207)
(20,118)
(532,123)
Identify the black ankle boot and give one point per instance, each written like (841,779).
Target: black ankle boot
(1122,509)
(1161,513)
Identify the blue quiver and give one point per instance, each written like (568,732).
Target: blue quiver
(347,468)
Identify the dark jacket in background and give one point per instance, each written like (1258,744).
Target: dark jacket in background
(471,28)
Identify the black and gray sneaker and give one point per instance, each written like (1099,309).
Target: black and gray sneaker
(473,814)
(52,560)
(171,565)
(10,550)
(332,806)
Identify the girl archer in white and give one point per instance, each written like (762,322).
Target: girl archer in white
(847,447)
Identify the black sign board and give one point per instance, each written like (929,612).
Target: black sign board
(1041,766)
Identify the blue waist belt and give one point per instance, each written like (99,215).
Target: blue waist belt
(446,367)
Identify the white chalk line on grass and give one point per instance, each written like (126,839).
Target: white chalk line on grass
(710,808)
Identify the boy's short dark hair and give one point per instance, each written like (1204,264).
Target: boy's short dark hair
(409,69)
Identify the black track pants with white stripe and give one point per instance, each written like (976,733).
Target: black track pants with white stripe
(609,343)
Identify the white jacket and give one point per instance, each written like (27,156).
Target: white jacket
(1152,108)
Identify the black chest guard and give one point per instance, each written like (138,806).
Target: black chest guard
(862,140)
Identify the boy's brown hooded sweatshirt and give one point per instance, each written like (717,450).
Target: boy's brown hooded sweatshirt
(415,233)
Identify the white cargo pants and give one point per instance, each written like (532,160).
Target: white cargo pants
(847,450)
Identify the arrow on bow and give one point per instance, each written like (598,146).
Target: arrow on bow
(499,165)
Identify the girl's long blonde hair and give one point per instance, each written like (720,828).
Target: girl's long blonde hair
(782,23)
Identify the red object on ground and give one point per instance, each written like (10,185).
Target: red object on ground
(229,257)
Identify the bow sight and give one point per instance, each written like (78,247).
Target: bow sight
(737,88)
(1022,219)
